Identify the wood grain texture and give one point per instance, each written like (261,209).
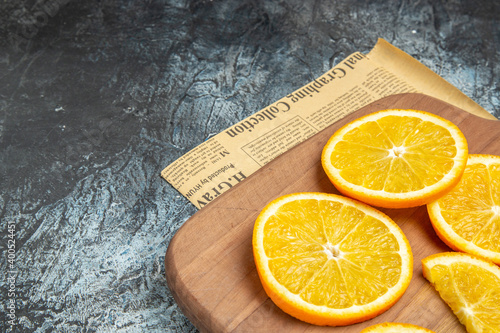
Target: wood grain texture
(209,263)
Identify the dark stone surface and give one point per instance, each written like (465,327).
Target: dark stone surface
(96,97)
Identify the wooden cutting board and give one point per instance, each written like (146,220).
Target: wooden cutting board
(209,263)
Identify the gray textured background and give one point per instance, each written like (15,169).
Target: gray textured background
(96,97)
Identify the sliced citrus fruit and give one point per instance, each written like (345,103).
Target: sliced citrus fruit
(467,218)
(330,260)
(470,286)
(396,158)
(395,328)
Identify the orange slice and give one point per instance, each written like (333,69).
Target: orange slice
(470,286)
(330,260)
(467,219)
(396,158)
(395,328)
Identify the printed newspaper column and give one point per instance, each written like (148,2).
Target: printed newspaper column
(223,161)
(228,158)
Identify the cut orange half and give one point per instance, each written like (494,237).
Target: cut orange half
(396,158)
(395,328)
(330,260)
(470,286)
(467,219)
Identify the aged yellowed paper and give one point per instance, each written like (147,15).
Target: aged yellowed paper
(214,166)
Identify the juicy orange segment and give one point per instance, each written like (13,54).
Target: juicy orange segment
(396,158)
(330,260)
(470,286)
(395,328)
(467,219)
